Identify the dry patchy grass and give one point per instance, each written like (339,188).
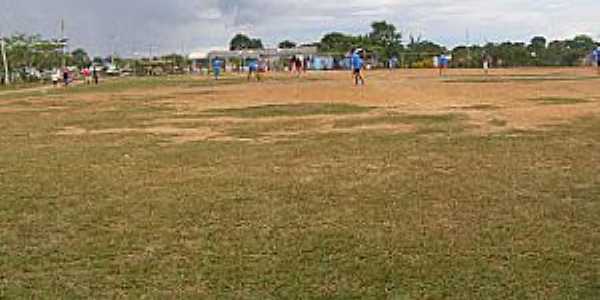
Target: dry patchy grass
(288,189)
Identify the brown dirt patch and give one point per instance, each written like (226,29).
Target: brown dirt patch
(409,92)
(175,135)
(416,92)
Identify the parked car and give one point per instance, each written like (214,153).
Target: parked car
(127,71)
(47,75)
(113,71)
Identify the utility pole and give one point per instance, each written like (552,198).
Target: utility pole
(151,47)
(150,51)
(63,42)
(468,48)
(113,48)
(3,49)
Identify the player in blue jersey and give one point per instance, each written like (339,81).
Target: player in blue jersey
(357,64)
(253,69)
(596,56)
(217,64)
(443,63)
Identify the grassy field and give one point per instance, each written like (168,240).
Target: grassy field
(413,187)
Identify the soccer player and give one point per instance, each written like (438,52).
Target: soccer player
(596,55)
(216,67)
(95,74)
(357,65)
(87,75)
(444,62)
(55,77)
(292,63)
(253,69)
(66,77)
(306,64)
(486,66)
(299,67)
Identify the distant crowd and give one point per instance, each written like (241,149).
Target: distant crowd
(91,75)
(296,64)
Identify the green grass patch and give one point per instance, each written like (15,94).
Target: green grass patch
(401,118)
(558,100)
(371,120)
(289,110)
(131,83)
(255,130)
(435,119)
(117,85)
(478,107)
(19,103)
(19,86)
(360,215)
(123,117)
(498,122)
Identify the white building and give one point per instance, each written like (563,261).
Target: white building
(234,60)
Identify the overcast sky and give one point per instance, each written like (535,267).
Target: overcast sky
(128,26)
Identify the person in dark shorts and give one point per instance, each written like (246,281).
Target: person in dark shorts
(299,67)
(95,75)
(292,63)
(357,64)
(56,77)
(66,77)
(596,56)
(217,64)
(306,64)
(253,70)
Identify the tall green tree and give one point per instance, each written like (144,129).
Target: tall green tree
(337,42)
(537,47)
(287,44)
(582,43)
(468,56)
(385,40)
(80,58)
(241,41)
(178,60)
(538,43)
(98,60)
(256,44)
(26,53)
(422,50)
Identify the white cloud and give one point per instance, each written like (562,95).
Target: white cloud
(134,25)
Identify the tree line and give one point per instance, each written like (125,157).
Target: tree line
(385,42)
(30,52)
(538,52)
(28,56)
